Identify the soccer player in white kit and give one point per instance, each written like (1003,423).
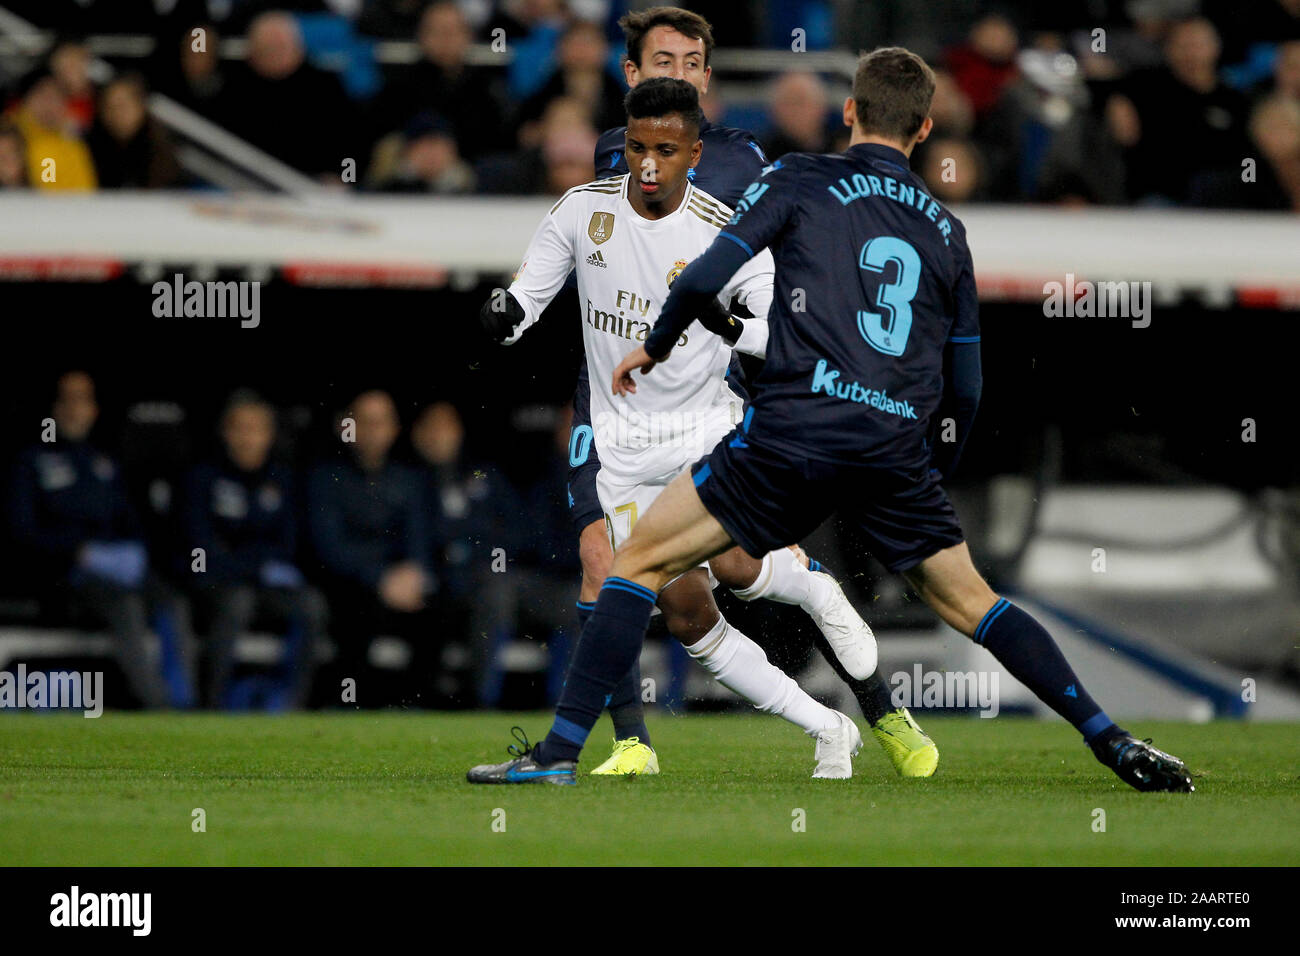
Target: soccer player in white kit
(628,238)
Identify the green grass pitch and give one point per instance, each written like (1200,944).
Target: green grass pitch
(389,788)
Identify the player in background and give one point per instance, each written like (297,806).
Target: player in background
(841,416)
(670,41)
(628,238)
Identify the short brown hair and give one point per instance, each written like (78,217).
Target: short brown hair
(892,90)
(637,25)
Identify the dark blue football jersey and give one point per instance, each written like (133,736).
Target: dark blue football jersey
(873,279)
(731,160)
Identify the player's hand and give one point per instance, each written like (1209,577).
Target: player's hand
(721,322)
(640,359)
(500,315)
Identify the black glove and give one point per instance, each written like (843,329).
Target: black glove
(499,323)
(721,322)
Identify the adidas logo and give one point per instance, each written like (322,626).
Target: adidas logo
(596,259)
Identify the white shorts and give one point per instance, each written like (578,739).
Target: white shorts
(624,502)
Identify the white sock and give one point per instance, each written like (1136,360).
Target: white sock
(784,579)
(741,666)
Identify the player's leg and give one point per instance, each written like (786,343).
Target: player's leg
(676,534)
(756,495)
(741,666)
(949,583)
(633,751)
(783,576)
(912,753)
(670,538)
(596,554)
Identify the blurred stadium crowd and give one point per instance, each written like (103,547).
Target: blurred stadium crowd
(397,534)
(1096,102)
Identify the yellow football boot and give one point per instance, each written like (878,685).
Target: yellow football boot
(912,753)
(630,758)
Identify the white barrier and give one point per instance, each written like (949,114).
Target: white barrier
(1253,259)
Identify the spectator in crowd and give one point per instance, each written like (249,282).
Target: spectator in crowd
(424,158)
(189,70)
(1041,141)
(581,75)
(369,529)
(1268,176)
(985,63)
(71,513)
(1286,71)
(1179,123)
(532,29)
(1275,130)
(467,97)
(70,67)
(13,157)
(568,149)
(565,158)
(56,156)
(476,513)
(954,170)
(390,19)
(284,105)
(241,510)
(954,120)
(130,149)
(545,567)
(471,504)
(800,119)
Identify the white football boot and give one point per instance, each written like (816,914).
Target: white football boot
(836,749)
(849,636)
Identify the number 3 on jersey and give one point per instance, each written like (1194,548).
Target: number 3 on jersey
(888,332)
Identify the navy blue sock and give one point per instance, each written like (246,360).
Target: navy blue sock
(1024,648)
(607,650)
(626,709)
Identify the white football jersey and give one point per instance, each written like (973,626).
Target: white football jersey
(625,264)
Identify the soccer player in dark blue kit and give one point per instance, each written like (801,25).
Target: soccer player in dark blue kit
(673,42)
(874,300)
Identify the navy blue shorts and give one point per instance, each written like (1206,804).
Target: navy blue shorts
(584,505)
(766,500)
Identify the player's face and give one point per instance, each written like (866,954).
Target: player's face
(665,52)
(660,151)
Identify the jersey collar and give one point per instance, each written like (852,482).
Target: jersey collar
(639,219)
(879,151)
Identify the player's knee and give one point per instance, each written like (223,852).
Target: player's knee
(595,553)
(690,625)
(734,569)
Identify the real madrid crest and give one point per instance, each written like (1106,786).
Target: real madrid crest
(601,226)
(676,270)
